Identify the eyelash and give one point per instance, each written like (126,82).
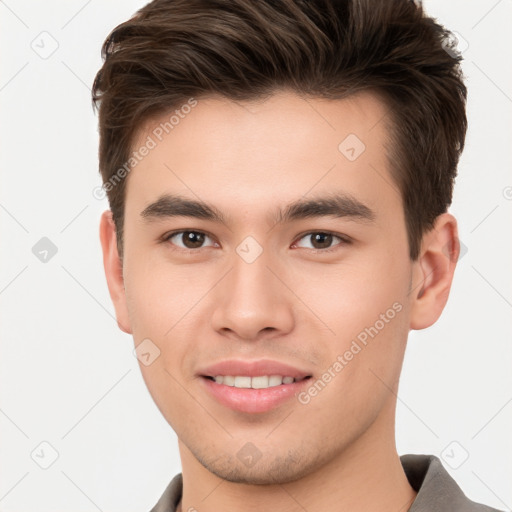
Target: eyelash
(344,240)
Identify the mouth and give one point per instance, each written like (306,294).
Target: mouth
(253,386)
(254,394)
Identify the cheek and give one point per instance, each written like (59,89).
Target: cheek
(161,295)
(361,365)
(161,301)
(363,310)
(166,304)
(170,392)
(347,298)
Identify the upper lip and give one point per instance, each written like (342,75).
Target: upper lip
(253,368)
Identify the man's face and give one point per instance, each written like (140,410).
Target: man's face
(251,288)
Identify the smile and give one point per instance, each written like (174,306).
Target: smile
(253,395)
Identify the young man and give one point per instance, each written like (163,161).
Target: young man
(279,175)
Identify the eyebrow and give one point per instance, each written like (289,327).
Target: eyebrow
(336,205)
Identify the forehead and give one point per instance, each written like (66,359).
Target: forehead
(254,154)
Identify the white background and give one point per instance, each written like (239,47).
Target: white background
(68,375)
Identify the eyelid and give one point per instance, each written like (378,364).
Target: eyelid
(167,236)
(344,240)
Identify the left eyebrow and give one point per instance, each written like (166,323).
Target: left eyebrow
(337,205)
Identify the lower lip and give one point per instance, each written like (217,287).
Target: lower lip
(253,400)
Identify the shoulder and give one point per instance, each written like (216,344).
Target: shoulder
(171,496)
(437,490)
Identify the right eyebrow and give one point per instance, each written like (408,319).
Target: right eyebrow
(177,206)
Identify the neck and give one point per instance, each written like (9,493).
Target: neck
(366,475)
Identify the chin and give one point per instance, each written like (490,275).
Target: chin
(270,470)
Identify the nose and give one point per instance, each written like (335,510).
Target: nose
(254,300)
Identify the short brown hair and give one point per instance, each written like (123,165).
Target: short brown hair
(172,50)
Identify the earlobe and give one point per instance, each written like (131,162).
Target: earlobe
(433,272)
(114,270)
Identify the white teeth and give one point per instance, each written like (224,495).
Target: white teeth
(275,380)
(228,380)
(260,382)
(242,382)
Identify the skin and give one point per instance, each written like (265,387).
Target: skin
(293,304)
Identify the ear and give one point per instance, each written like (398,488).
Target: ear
(114,270)
(433,272)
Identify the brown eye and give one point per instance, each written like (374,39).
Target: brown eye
(323,240)
(189,239)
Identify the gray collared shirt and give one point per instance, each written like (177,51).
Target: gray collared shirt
(437,490)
